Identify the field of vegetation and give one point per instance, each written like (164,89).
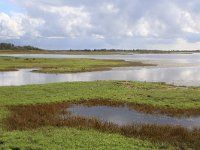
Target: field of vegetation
(72,138)
(50,65)
(28,114)
(27,103)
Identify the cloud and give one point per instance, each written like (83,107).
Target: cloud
(17,25)
(67,21)
(106,23)
(109,8)
(10,26)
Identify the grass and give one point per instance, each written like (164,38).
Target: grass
(22,52)
(49,113)
(156,95)
(70,138)
(37,116)
(53,65)
(152,94)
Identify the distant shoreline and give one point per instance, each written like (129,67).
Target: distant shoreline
(93,52)
(9,48)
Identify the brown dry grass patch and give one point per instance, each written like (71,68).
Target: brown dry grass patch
(24,117)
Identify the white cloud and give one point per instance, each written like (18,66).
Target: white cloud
(119,24)
(109,8)
(10,26)
(190,23)
(62,20)
(98,36)
(17,25)
(71,19)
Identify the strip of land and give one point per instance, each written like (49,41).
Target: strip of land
(151,94)
(9,48)
(94,52)
(53,65)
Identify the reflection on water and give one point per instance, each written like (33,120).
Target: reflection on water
(124,116)
(181,58)
(188,76)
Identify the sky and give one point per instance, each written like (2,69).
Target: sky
(96,24)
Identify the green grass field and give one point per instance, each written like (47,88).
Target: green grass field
(70,138)
(50,65)
(156,94)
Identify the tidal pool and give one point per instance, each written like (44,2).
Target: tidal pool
(125,116)
(187,76)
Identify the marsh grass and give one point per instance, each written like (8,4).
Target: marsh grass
(157,95)
(25,117)
(60,65)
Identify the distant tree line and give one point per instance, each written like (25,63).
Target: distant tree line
(134,50)
(9,46)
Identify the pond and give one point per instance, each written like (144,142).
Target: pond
(124,116)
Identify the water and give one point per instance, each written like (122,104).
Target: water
(124,116)
(183,58)
(188,76)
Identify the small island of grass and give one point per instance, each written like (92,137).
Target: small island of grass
(54,65)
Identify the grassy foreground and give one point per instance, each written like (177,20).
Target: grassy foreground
(152,94)
(69,138)
(51,65)
(26,117)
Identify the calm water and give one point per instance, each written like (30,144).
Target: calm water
(124,116)
(188,76)
(184,58)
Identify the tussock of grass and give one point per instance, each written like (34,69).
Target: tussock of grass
(37,116)
(53,65)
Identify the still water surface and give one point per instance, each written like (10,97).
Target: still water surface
(188,76)
(124,116)
(184,75)
(184,58)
